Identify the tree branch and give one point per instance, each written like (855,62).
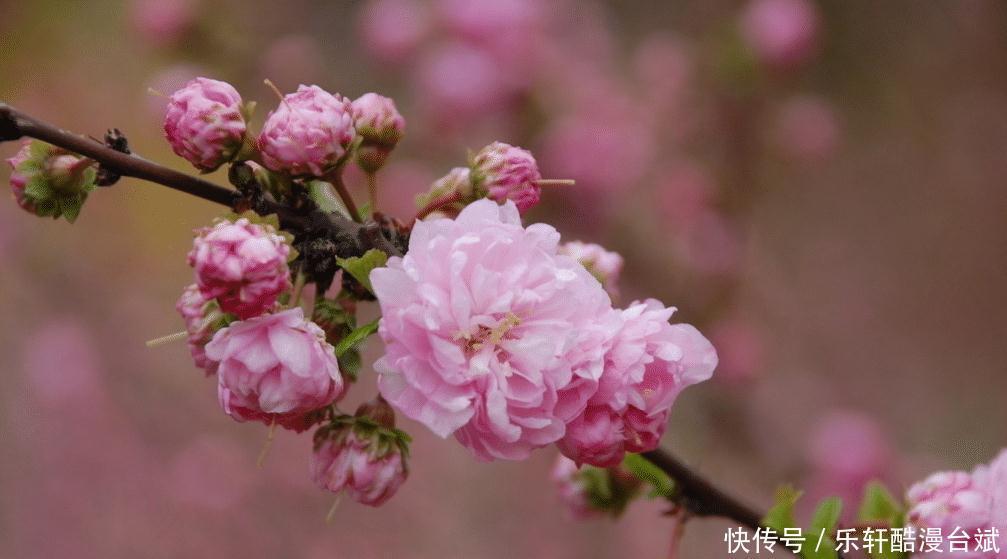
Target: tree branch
(15,124)
(700,496)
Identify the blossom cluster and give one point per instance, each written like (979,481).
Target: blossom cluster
(493,336)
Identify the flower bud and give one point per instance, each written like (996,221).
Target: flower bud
(603,264)
(275,368)
(50,181)
(453,186)
(309,134)
(503,172)
(364,455)
(589,492)
(242,265)
(202,320)
(204,123)
(380,127)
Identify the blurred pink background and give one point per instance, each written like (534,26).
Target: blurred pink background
(817,185)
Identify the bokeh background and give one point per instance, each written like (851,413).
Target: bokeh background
(819,186)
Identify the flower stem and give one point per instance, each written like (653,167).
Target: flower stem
(372,190)
(336,178)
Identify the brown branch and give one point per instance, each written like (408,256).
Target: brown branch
(700,496)
(15,124)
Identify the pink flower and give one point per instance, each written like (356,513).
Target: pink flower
(204,124)
(960,500)
(18,179)
(489,334)
(377,119)
(198,313)
(572,488)
(162,22)
(456,185)
(380,127)
(359,466)
(308,134)
(275,368)
(504,172)
(603,264)
(781,32)
(807,129)
(392,29)
(650,361)
(242,265)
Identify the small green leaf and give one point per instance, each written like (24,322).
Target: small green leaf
(322,194)
(827,515)
(880,505)
(645,470)
(349,364)
(360,266)
(355,337)
(781,514)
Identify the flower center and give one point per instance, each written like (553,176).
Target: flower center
(484,335)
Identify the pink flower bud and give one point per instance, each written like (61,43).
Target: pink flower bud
(275,368)
(242,265)
(503,172)
(781,32)
(648,363)
(603,264)
(18,179)
(572,489)
(368,471)
(204,124)
(49,181)
(380,127)
(198,313)
(308,134)
(455,185)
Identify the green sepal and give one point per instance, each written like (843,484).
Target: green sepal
(661,483)
(356,336)
(360,266)
(781,514)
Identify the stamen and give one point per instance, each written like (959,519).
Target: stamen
(170,338)
(555,182)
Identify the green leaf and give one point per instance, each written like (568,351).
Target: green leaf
(824,520)
(350,363)
(360,266)
(322,194)
(880,505)
(827,515)
(645,470)
(355,337)
(781,514)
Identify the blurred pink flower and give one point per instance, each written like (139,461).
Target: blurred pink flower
(649,363)
(369,474)
(393,29)
(275,368)
(163,22)
(210,472)
(293,59)
(489,333)
(606,152)
(456,82)
(572,489)
(740,348)
(61,363)
(308,133)
(850,447)
(807,129)
(504,172)
(663,69)
(511,31)
(685,193)
(782,33)
(204,123)
(242,265)
(713,246)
